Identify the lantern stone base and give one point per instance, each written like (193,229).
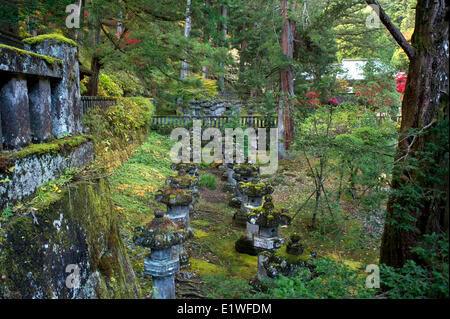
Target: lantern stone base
(244,245)
(164,287)
(240,219)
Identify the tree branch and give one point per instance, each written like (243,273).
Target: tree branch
(395,32)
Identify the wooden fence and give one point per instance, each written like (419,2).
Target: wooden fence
(214,121)
(88,102)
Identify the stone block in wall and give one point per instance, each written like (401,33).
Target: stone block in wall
(15,114)
(66,96)
(40,109)
(47,163)
(15,61)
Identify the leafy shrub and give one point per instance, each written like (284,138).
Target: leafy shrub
(208,181)
(107,87)
(330,279)
(429,280)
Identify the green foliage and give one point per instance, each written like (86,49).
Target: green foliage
(176,92)
(107,87)
(208,181)
(427,177)
(351,144)
(430,279)
(6,214)
(330,279)
(227,288)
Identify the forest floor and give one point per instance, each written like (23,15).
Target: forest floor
(349,237)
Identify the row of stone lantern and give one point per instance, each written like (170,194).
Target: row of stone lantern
(166,234)
(257,213)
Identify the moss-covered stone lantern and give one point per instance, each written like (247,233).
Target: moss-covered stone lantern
(161,235)
(252,196)
(178,203)
(267,239)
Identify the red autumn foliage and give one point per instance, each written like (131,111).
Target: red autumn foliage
(401,82)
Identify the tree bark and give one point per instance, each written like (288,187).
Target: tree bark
(96,65)
(424,106)
(285,123)
(224,10)
(187,30)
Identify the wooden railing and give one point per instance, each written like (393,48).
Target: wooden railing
(214,121)
(88,102)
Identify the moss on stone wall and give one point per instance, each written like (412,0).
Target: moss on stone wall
(52,36)
(7,159)
(80,228)
(46,58)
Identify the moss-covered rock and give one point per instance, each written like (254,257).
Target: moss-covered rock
(79,229)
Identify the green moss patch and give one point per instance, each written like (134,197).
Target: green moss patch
(205,268)
(198,233)
(54,146)
(51,36)
(46,58)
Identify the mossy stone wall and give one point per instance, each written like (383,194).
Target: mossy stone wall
(79,229)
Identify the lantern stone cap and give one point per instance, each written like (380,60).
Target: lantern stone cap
(185,168)
(174,197)
(182,182)
(247,170)
(255,188)
(268,217)
(160,233)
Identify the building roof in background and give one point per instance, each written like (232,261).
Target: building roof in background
(352,69)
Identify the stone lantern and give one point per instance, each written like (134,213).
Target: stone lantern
(252,196)
(178,202)
(161,235)
(245,173)
(241,173)
(267,239)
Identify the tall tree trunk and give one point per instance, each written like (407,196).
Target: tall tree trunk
(187,30)
(96,65)
(285,124)
(224,10)
(206,39)
(425,104)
